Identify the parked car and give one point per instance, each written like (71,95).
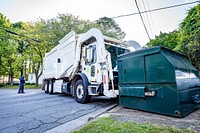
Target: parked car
(12,83)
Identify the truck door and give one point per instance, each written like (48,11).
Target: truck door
(89,63)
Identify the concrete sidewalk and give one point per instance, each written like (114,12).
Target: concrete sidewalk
(79,122)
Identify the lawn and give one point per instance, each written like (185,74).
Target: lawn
(28,86)
(109,125)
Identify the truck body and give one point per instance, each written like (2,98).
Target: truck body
(83,65)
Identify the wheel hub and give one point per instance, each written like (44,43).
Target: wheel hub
(79,91)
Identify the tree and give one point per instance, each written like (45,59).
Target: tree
(36,45)
(20,39)
(169,40)
(58,27)
(110,28)
(4,23)
(8,49)
(189,34)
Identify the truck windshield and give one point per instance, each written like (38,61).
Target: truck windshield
(114,52)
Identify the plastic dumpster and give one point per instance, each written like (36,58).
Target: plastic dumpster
(158,80)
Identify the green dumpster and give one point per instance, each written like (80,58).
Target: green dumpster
(158,80)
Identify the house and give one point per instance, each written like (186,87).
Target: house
(31,78)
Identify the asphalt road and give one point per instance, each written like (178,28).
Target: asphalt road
(36,111)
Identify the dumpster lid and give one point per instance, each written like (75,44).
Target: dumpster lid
(177,59)
(152,50)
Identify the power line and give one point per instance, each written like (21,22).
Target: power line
(148,21)
(17,34)
(142,20)
(157,9)
(142,7)
(151,19)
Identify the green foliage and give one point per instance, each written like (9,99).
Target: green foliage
(169,40)
(8,49)
(4,22)
(1,85)
(36,46)
(109,125)
(110,28)
(57,28)
(189,34)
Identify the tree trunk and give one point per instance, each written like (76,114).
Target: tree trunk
(37,74)
(25,71)
(9,79)
(36,77)
(12,77)
(21,72)
(11,73)
(36,80)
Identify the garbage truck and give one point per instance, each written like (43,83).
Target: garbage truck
(155,79)
(84,65)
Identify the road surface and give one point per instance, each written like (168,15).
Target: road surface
(36,111)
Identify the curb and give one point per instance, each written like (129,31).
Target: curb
(79,122)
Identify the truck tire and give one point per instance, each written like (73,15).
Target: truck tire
(51,87)
(81,93)
(46,88)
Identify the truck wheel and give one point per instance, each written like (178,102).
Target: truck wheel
(46,88)
(81,93)
(51,87)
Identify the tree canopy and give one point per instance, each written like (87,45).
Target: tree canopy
(189,34)
(110,27)
(169,40)
(8,49)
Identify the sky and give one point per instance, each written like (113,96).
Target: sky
(158,21)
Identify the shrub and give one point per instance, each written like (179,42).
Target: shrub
(2,84)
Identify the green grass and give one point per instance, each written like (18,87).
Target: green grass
(17,86)
(109,125)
